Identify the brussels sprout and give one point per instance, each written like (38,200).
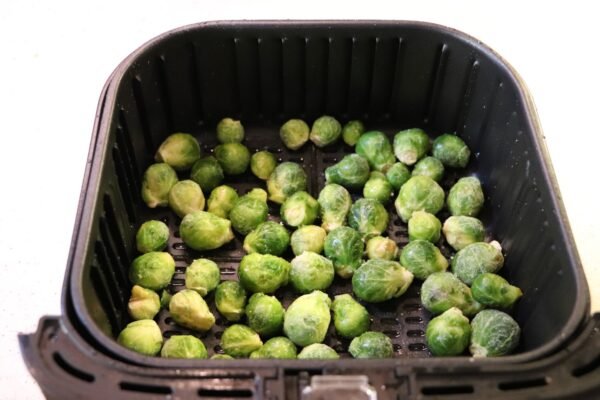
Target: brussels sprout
(183,346)
(202,275)
(380,247)
(240,341)
(475,259)
(263,272)
(307,319)
(143,336)
(230,131)
(189,310)
(143,303)
(448,334)
(451,151)
(311,271)
(263,164)
(152,270)
(431,167)
(442,290)
(165,299)
(397,175)
(424,226)
(466,197)
(494,333)
(411,145)
(334,204)
(375,147)
(248,213)
(152,236)
(461,231)
(352,172)
(325,130)
(258,194)
(351,132)
(179,150)
(344,247)
(419,193)
(233,157)
(350,318)
(368,217)
(277,347)
(294,133)
(230,299)
(308,238)
(299,209)
(494,291)
(221,201)
(186,197)
(268,238)
(265,314)
(422,258)
(202,230)
(207,173)
(318,351)
(371,345)
(287,179)
(378,188)
(380,280)
(157,183)
(222,357)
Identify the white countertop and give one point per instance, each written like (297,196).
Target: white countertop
(55,57)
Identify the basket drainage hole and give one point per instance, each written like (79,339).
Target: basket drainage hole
(417,347)
(71,370)
(225,393)
(446,390)
(144,388)
(415,333)
(525,384)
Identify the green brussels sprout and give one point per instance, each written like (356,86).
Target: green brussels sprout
(461,231)
(424,226)
(207,173)
(411,145)
(350,318)
(352,172)
(368,217)
(318,351)
(287,179)
(189,310)
(494,291)
(184,346)
(268,238)
(475,259)
(429,166)
(419,193)
(376,281)
(263,164)
(157,183)
(202,230)
(451,151)
(311,271)
(294,133)
(186,197)
(308,238)
(299,209)
(233,157)
(143,303)
(465,197)
(263,272)
(202,275)
(371,345)
(397,175)
(376,148)
(152,236)
(221,201)
(165,299)
(351,132)
(344,247)
(448,334)
(442,290)
(325,130)
(240,341)
(379,247)
(179,150)
(143,336)
(258,194)
(230,131)
(422,258)
(152,270)
(307,319)
(277,347)
(222,357)
(334,204)
(494,333)
(265,314)
(248,213)
(230,299)
(378,188)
